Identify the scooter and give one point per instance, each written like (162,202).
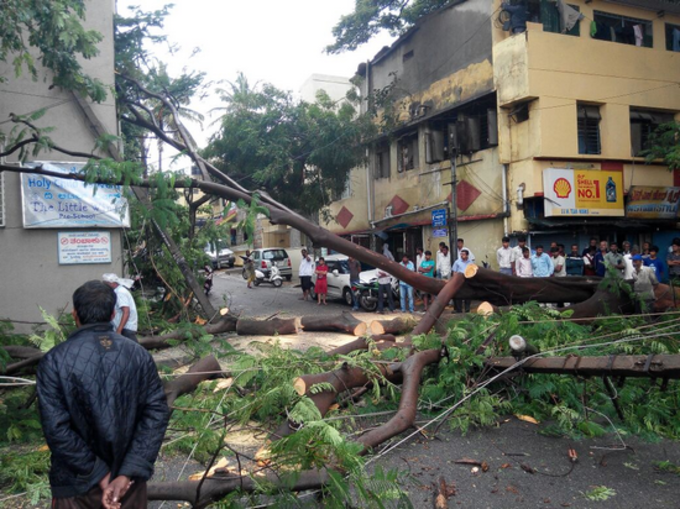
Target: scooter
(272,276)
(367,293)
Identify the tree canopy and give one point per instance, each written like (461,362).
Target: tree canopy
(301,153)
(371,17)
(54,29)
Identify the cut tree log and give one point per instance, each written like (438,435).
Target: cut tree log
(344,322)
(216,488)
(410,369)
(280,326)
(400,325)
(451,289)
(653,366)
(361,344)
(205,369)
(224,324)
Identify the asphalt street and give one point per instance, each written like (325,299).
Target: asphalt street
(229,288)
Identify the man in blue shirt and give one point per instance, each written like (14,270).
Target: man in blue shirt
(542,264)
(598,259)
(404,288)
(459,266)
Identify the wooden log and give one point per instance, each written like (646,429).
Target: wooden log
(21,352)
(216,488)
(224,324)
(666,298)
(205,369)
(247,327)
(435,310)
(361,344)
(411,369)
(400,325)
(602,303)
(344,322)
(486,309)
(658,366)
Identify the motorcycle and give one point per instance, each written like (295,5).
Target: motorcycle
(367,293)
(273,276)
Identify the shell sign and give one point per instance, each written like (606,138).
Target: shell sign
(582,192)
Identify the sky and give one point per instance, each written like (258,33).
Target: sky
(278,42)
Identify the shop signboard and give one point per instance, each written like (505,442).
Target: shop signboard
(439,218)
(77,247)
(647,202)
(582,193)
(440,233)
(52,202)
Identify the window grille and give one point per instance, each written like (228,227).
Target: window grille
(623,28)
(407,152)
(382,161)
(642,124)
(589,130)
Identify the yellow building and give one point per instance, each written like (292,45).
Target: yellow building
(546,127)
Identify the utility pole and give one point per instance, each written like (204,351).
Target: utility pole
(453,210)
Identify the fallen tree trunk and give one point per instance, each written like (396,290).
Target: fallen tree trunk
(653,366)
(344,322)
(247,327)
(361,344)
(21,352)
(453,286)
(410,369)
(224,324)
(400,325)
(215,488)
(205,369)
(602,303)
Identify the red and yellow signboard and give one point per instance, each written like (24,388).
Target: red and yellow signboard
(582,192)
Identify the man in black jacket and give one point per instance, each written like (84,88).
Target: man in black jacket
(103,410)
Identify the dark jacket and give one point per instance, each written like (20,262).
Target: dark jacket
(102,409)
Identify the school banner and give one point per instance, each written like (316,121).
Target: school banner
(647,202)
(582,192)
(52,202)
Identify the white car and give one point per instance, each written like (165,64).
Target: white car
(220,258)
(338,278)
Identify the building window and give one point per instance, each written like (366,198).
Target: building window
(436,146)
(476,129)
(546,13)
(622,29)
(589,129)
(672,37)
(2,199)
(382,160)
(407,152)
(642,124)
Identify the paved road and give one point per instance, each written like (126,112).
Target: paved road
(229,288)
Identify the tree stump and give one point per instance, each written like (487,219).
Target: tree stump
(397,326)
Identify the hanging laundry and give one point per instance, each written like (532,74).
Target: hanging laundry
(593,29)
(637,30)
(676,39)
(568,16)
(612,34)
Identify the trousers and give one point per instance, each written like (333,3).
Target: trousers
(404,292)
(135,498)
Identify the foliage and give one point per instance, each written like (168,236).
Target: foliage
(600,494)
(371,17)
(54,29)
(301,153)
(664,144)
(51,337)
(26,471)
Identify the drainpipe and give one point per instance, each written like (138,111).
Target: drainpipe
(506,203)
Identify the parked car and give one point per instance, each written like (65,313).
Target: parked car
(222,257)
(338,278)
(264,258)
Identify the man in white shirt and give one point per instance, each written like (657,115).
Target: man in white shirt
(125,316)
(387,253)
(420,257)
(523,266)
(504,257)
(461,245)
(440,254)
(306,272)
(517,252)
(559,262)
(444,263)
